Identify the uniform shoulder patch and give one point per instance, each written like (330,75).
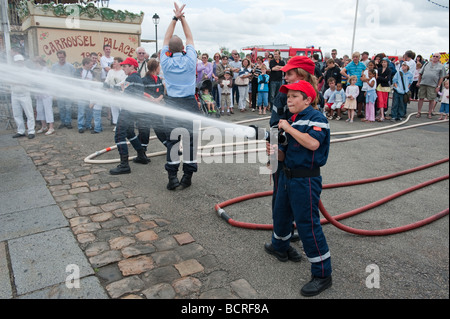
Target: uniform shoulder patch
(316,128)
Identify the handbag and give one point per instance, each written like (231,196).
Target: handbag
(242,81)
(407,95)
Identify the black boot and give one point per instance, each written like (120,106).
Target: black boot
(316,286)
(186,180)
(123,167)
(173,181)
(141,157)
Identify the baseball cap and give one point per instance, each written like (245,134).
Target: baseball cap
(301,86)
(130,61)
(18,57)
(302,62)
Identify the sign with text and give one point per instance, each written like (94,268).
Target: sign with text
(79,44)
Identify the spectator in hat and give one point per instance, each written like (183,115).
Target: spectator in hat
(401,82)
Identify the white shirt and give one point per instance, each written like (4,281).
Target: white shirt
(366,86)
(106,63)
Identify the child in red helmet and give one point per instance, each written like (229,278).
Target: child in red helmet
(300,186)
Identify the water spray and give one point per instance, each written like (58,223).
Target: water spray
(38,82)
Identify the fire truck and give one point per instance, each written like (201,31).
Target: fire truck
(286,51)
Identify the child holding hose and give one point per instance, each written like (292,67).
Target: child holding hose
(300,184)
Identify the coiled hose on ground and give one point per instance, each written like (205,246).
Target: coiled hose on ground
(334,220)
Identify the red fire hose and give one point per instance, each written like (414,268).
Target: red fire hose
(333,220)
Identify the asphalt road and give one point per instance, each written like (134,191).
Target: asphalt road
(410,265)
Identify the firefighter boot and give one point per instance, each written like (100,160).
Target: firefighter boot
(123,167)
(186,180)
(173,181)
(141,157)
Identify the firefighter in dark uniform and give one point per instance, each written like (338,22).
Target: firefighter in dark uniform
(179,68)
(300,185)
(126,122)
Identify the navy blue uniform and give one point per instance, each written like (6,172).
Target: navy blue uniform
(127,119)
(174,136)
(298,197)
(154,87)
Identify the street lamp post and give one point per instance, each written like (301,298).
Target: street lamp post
(156,22)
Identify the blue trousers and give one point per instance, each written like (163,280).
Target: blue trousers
(263,99)
(97,114)
(124,131)
(85,115)
(298,199)
(65,110)
(398,106)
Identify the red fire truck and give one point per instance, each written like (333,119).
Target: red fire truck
(286,51)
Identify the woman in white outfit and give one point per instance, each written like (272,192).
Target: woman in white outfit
(116,76)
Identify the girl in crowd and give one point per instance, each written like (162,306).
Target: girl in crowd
(383,88)
(371,96)
(351,93)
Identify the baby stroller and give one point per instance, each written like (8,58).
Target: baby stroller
(206,84)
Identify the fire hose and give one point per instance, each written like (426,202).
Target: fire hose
(328,217)
(90,159)
(334,220)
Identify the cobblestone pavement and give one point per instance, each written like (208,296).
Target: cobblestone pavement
(132,252)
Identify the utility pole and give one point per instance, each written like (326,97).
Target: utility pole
(6,28)
(354,27)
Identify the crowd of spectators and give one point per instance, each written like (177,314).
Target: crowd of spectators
(396,78)
(251,86)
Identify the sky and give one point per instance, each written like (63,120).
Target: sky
(387,26)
